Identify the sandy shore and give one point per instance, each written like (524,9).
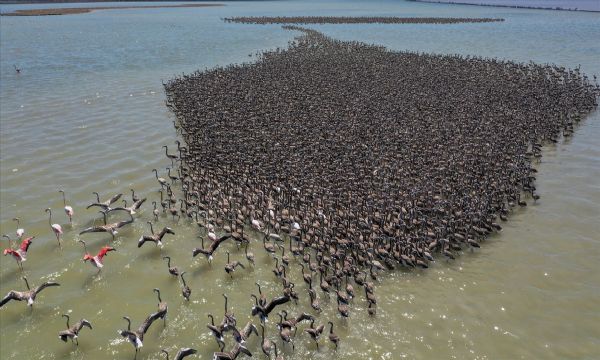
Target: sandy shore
(83,10)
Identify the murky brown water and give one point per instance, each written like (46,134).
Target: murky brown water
(87,114)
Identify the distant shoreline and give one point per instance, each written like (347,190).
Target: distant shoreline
(559,8)
(83,10)
(28,2)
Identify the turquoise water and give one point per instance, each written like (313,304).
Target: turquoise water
(87,113)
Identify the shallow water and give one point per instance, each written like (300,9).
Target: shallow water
(87,114)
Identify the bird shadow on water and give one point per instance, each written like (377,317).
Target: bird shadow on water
(92,278)
(72,351)
(12,275)
(201,270)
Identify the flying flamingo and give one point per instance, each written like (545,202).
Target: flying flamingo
(28,295)
(97,260)
(20,231)
(68,209)
(56,228)
(20,254)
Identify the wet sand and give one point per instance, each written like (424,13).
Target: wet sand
(83,10)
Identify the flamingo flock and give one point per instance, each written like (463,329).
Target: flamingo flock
(336,194)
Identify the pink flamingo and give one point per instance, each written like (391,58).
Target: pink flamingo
(20,231)
(97,260)
(20,254)
(68,210)
(56,228)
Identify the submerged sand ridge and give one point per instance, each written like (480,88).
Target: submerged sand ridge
(83,10)
(354,20)
(370,159)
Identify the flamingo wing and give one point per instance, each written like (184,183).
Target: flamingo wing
(94,229)
(114,198)
(26,243)
(12,295)
(185,352)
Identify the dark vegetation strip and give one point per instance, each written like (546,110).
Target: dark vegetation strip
(514,6)
(354,20)
(83,10)
(370,159)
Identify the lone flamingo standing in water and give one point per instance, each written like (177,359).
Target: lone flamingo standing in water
(68,210)
(20,231)
(56,228)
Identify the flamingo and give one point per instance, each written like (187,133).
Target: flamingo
(136,337)
(20,231)
(108,228)
(72,332)
(160,180)
(106,204)
(68,210)
(182,353)
(156,238)
(20,254)
(28,295)
(98,260)
(56,228)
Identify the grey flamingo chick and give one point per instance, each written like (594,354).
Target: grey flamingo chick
(264,311)
(211,249)
(28,295)
(230,266)
(217,332)
(285,332)
(315,333)
(108,228)
(160,180)
(242,336)
(134,197)
(332,336)
(182,353)
(173,270)
(233,354)
(105,205)
(171,157)
(155,211)
(136,338)
(249,255)
(163,308)
(155,238)
(131,209)
(72,332)
(266,343)
(229,318)
(262,300)
(185,290)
